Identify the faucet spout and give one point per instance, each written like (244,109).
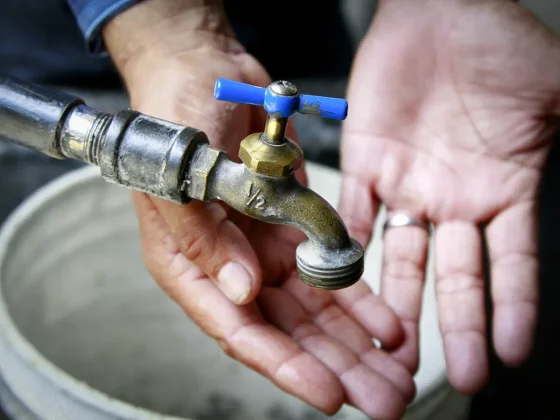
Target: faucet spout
(327,259)
(281,201)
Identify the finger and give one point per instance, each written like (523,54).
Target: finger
(325,313)
(460,293)
(240,330)
(365,389)
(405,251)
(391,369)
(368,311)
(512,244)
(357,207)
(207,238)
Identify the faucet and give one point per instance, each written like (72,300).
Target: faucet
(177,163)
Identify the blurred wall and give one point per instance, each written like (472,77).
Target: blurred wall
(547,10)
(358,15)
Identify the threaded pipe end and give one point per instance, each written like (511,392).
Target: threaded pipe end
(327,268)
(96,136)
(331,278)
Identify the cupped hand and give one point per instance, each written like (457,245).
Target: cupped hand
(449,120)
(235,276)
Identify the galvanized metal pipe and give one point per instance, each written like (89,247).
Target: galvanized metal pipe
(31,115)
(131,149)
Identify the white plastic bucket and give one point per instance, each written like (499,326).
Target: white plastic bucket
(85,333)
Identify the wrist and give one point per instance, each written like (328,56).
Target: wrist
(155,30)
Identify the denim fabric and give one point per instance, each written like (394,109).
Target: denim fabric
(92,14)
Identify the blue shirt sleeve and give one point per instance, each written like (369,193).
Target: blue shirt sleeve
(91,15)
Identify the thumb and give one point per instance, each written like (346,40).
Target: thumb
(216,245)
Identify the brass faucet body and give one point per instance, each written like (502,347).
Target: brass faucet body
(328,259)
(270,159)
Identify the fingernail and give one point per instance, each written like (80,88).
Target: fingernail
(235,282)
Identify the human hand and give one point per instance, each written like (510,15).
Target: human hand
(450,106)
(314,344)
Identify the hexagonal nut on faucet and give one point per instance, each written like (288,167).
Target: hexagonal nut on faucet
(270,159)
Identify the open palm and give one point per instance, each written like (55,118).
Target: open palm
(449,120)
(314,344)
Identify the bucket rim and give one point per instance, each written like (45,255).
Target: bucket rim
(20,345)
(31,356)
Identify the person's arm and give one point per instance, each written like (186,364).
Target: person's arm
(150,26)
(159,29)
(93,16)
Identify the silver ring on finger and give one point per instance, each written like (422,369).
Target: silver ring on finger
(403,219)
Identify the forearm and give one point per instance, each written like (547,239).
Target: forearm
(166,27)
(154,31)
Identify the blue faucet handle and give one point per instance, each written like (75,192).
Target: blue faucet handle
(280,99)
